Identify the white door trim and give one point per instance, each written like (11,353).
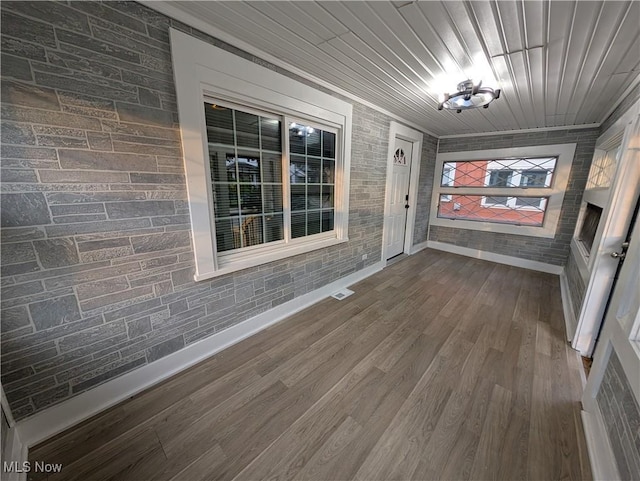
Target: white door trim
(397,130)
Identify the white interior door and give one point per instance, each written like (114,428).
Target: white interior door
(398,198)
(620,334)
(617,211)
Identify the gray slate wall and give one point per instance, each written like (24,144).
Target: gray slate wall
(425,187)
(550,251)
(621,414)
(577,287)
(97,262)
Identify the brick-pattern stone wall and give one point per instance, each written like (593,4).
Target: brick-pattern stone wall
(97,264)
(626,103)
(425,188)
(621,414)
(577,287)
(550,251)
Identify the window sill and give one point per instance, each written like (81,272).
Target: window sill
(233,264)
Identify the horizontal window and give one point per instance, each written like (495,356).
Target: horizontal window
(502,190)
(267,160)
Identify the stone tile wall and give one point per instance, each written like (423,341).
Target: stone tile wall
(621,414)
(97,262)
(550,251)
(577,287)
(425,187)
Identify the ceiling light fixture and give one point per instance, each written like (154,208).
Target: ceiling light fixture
(469,96)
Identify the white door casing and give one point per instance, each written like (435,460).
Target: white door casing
(612,230)
(403,168)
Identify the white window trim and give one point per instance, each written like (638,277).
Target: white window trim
(555,192)
(202,69)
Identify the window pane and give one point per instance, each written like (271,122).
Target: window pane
(250,199)
(313,171)
(270,134)
(247,126)
(298,225)
(603,168)
(225,200)
(313,197)
(529,201)
(313,223)
(245,179)
(312,178)
(496,200)
(219,124)
(329,145)
(528,172)
(313,142)
(251,231)
(327,196)
(297,139)
(271,168)
(533,178)
(228,234)
(222,164)
(500,178)
(274,227)
(298,197)
(272,198)
(480,208)
(327,220)
(248,165)
(448,175)
(328,171)
(297,170)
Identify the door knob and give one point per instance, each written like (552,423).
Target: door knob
(623,252)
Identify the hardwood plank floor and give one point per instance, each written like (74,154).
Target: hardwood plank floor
(438,367)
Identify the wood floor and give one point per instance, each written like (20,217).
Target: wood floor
(440,367)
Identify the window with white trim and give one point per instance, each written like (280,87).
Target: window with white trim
(517,191)
(266,160)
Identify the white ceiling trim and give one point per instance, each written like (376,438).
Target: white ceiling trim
(522,131)
(622,97)
(195,22)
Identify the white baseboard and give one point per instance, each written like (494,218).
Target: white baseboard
(56,419)
(570,319)
(418,247)
(499,258)
(603,464)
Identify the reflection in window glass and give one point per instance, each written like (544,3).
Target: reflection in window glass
(503,174)
(312,178)
(538,172)
(245,159)
(478,208)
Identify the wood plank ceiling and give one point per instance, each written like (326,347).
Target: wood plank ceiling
(558,63)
